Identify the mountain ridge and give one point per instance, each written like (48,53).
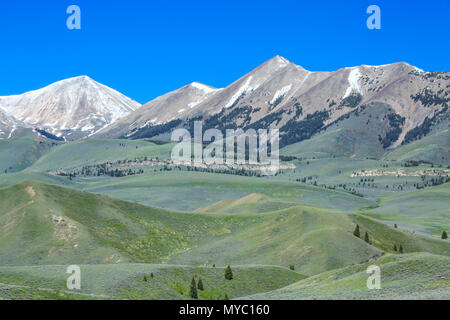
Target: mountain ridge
(280,94)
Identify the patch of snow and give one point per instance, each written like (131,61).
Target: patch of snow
(242,90)
(281,92)
(203,87)
(181,110)
(353,78)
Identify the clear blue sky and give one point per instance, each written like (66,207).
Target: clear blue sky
(145,48)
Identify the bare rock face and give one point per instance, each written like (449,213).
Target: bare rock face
(71,108)
(299,102)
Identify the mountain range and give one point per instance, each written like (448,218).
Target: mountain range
(381,107)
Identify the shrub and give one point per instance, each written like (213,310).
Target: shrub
(400,249)
(444,235)
(292,267)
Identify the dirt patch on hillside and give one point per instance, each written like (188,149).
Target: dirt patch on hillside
(30,191)
(64,228)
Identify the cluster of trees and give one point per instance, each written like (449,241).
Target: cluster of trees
(101,170)
(396,123)
(153,130)
(295,131)
(357,233)
(434,181)
(427,97)
(426,126)
(351,101)
(195,287)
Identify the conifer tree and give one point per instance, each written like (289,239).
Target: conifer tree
(356,232)
(200,285)
(444,235)
(228,273)
(193,289)
(400,249)
(395,247)
(366,237)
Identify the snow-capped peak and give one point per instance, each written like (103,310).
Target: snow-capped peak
(77,104)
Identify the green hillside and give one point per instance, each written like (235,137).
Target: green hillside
(135,281)
(94,151)
(434,147)
(425,210)
(193,190)
(360,134)
(408,276)
(47,224)
(18,153)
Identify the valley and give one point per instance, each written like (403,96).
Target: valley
(87,178)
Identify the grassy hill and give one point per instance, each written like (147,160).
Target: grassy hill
(193,190)
(135,281)
(47,224)
(19,153)
(426,210)
(408,276)
(434,147)
(356,135)
(93,151)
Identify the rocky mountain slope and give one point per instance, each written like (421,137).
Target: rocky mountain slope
(163,109)
(302,103)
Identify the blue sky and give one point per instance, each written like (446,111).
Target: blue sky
(145,48)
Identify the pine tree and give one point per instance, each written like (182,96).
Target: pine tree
(400,249)
(193,290)
(145,278)
(200,285)
(444,235)
(151,275)
(292,267)
(395,247)
(395,226)
(356,232)
(228,273)
(366,237)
